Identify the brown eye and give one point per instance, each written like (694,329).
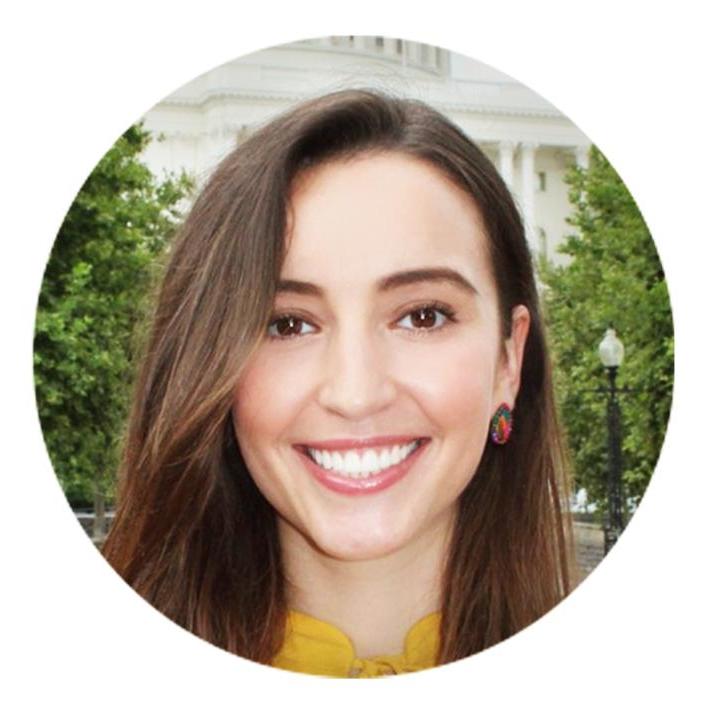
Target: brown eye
(288,327)
(425,318)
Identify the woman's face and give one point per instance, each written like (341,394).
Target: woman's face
(364,413)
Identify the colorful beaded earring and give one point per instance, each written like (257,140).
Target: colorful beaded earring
(501,424)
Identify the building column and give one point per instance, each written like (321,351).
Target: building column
(410,53)
(360,42)
(506,150)
(390,46)
(581,154)
(528,193)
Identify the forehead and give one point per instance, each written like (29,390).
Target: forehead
(380,213)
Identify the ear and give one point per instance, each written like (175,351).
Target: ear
(511,363)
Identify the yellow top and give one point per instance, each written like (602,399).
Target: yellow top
(317,647)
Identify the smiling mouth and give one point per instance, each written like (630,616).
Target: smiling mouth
(363,462)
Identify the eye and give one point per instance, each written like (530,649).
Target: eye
(430,317)
(289,327)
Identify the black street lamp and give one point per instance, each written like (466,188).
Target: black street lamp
(611,353)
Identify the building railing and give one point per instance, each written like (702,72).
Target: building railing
(413,54)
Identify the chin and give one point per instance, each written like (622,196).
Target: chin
(358,548)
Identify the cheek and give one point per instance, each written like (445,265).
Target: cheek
(267,401)
(268,397)
(453,382)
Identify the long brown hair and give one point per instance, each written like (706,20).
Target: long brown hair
(192,533)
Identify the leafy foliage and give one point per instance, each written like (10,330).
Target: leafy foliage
(91,298)
(614,279)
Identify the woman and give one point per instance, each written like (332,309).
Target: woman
(321,470)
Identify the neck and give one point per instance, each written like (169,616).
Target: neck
(375,601)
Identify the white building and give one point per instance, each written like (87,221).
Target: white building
(529,140)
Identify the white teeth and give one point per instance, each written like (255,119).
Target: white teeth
(352,463)
(399,453)
(370,462)
(356,464)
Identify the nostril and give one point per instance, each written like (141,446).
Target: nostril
(356,398)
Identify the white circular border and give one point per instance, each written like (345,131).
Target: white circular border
(78,73)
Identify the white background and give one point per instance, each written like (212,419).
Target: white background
(75,75)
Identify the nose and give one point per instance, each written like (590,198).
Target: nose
(355,380)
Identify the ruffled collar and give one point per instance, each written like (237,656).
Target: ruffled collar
(317,647)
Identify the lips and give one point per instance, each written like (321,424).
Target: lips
(356,466)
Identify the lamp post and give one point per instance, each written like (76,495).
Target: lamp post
(611,353)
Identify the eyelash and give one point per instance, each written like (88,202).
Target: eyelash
(439,308)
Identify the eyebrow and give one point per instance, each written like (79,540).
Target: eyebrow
(389,283)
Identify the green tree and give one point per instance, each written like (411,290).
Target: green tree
(92,297)
(614,278)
